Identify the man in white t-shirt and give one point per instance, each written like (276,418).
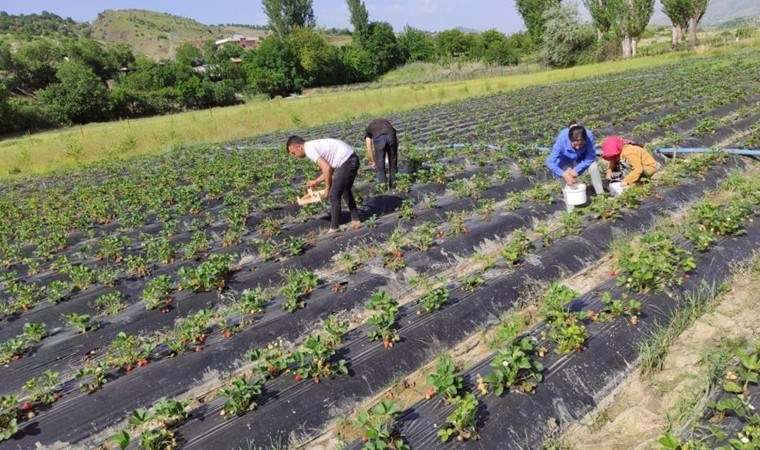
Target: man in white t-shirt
(339,165)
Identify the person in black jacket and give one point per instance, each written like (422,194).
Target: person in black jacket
(381,141)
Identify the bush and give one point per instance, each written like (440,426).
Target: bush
(357,64)
(566,41)
(79,97)
(275,69)
(25,115)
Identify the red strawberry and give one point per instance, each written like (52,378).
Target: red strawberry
(298,377)
(198,348)
(612,273)
(129,367)
(56,397)
(431,393)
(687,276)
(365,439)
(26,406)
(387,344)
(316,380)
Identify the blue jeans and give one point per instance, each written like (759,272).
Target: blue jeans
(342,182)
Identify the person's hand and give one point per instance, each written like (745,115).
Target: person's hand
(608,174)
(311,183)
(573,173)
(323,195)
(623,183)
(373,164)
(569,179)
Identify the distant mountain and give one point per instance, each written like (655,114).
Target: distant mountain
(718,11)
(157,35)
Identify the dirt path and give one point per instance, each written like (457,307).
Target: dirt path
(644,408)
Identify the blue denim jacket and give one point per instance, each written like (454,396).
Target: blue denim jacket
(563,154)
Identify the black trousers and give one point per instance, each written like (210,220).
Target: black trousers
(342,182)
(386,145)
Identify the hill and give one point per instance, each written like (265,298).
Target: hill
(156,34)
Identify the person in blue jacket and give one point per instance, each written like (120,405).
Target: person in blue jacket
(572,155)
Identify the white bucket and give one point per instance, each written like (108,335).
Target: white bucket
(575,195)
(616,188)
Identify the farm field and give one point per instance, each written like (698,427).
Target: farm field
(184,300)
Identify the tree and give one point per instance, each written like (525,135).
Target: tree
(356,64)
(188,55)
(698,8)
(318,59)
(274,69)
(360,21)
(496,50)
(283,15)
(79,97)
(455,44)
(417,45)
(383,47)
(678,12)
(628,19)
(532,12)
(566,39)
(601,15)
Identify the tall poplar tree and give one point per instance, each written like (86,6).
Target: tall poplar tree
(532,12)
(360,21)
(284,15)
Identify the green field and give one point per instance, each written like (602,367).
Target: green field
(52,150)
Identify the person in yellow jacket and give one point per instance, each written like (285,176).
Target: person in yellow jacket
(627,159)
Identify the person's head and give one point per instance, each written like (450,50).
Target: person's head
(294,146)
(577,136)
(611,148)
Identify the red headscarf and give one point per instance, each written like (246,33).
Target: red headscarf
(613,145)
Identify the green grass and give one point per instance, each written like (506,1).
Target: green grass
(63,148)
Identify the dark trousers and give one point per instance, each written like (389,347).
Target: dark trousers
(342,182)
(386,144)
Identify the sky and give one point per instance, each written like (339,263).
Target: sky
(429,15)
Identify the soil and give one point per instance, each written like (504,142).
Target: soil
(637,416)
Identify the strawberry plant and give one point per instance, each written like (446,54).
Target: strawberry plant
(93,376)
(170,412)
(423,236)
(653,264)
(435,299)
(82,322)
(723,221)
(43,388)
(380,432)
(108,276)
(606,208)
(242,395)
(81,276)
(271,360)
(570,336)
(519,245)
(251,301)
(406,211)
(270,226)
(540,194)
(14,348)
(137,265)
(158,439)
(456,222)
(127,350)
(160,250)
(699,237)
(470,283)
(384,318)
(334,329)
(8,416)
(298,283)
(157,293)
(294,245)
(208,274)
(266,249)
(444,380)
(110,303)
(197,246)
(461,422)
(514,368)
(312,359)
(615,308)
(348,261)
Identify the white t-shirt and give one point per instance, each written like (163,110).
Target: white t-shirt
(334,151)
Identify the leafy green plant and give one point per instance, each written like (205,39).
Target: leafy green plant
(379,430)
(157,293)
(406,210)
(515,369)
(653,264)
(82,322)
(266,249)
(251,301)
(518,246)
(298,284)
(8,416)
(470,283)
(170,412)
(43,388)
(294,245)
(271,360)
(461,422)
(127,350)
(14,348)
(312,359)
(158,439)
(93,375)
(444,380)
(615,308)
(110,303)
(435,299)
(606,208)
(384,318)
(242,395)
(207,275)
